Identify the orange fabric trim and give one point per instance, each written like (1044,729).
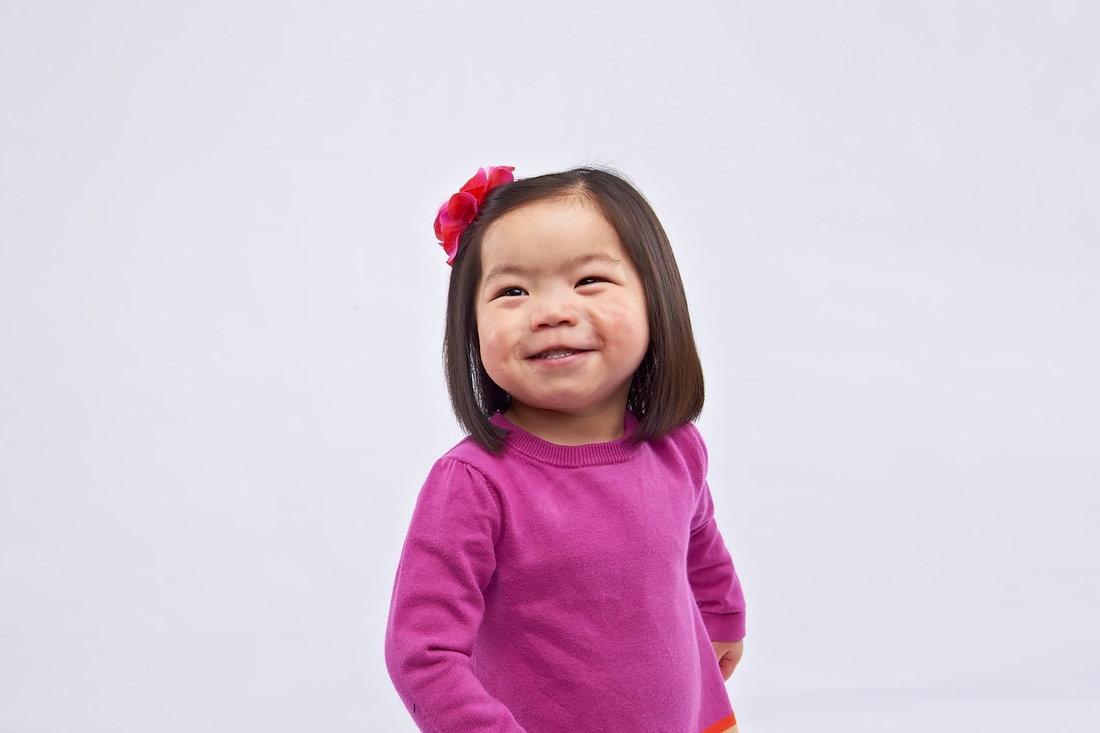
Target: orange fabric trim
(722,725)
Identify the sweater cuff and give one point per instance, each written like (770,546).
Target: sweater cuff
(724,626)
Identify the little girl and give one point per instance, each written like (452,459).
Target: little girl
(563,572)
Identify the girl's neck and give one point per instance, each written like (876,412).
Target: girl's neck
(563,428)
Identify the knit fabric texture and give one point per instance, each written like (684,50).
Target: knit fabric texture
(557,589)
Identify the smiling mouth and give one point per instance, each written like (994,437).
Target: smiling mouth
(557,353)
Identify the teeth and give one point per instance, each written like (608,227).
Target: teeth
(556,354)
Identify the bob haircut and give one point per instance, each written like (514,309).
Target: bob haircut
(667,388)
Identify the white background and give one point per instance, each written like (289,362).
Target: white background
(221,310)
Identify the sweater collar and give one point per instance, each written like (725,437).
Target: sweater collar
(570,456)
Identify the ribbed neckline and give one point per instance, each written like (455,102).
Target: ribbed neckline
(570,456)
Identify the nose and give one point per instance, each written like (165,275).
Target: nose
(554,310)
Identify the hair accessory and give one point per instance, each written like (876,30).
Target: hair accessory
(459,210)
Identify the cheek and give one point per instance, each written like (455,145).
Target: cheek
(493,335)
(627,328)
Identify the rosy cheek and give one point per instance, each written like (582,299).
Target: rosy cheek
(626,325)
(494,348)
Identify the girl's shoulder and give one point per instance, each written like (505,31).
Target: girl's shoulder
(471,453)
(686,434)
(687,442)
(467,448)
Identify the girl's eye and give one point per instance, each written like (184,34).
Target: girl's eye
(511,292)
(590,280)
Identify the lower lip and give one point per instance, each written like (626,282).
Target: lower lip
(561,361)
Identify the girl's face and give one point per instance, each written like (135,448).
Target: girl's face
(561,312)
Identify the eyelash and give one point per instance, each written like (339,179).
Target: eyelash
(594,279)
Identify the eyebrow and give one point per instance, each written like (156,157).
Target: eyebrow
(590,259)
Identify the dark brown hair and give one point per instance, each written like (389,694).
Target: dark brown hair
(667,388)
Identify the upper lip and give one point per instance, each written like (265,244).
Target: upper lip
(556,347)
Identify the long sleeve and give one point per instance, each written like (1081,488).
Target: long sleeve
(438,603)
(711,572)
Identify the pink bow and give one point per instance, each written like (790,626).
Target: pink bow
(459,210)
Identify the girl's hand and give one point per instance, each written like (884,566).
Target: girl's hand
(729,655)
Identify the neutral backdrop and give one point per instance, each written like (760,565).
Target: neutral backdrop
(221,309)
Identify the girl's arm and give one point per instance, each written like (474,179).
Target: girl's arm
(713,578)
(437,604)
(711,573)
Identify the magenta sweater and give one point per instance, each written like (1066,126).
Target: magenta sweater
(558,589)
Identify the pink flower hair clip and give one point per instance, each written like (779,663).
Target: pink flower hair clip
(459,210)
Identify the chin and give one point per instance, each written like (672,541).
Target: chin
(563,403)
